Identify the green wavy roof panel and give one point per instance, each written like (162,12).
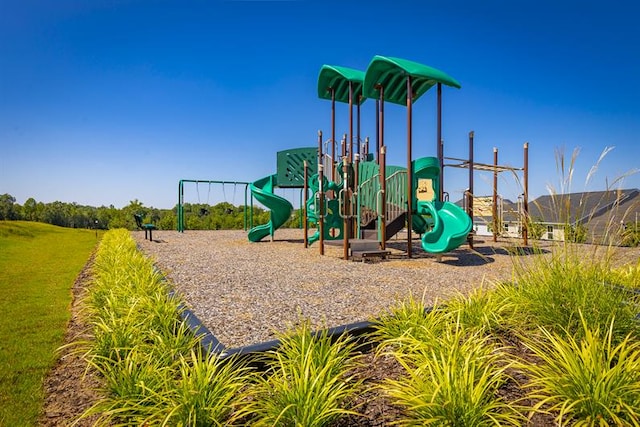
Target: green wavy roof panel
(391,73)
(338,78)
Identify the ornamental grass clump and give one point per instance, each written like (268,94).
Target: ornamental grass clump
(152,365)
(627,276)
(552,291)
(130,385)
(482,310)
(453,379)
(587,381)
(408,318)
(207,391)
(309,382)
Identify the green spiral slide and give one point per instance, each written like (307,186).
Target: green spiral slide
(449,224)
(262,190)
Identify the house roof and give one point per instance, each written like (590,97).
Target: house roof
(582,208)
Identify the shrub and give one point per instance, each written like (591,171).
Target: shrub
(551,291)
(589,381)
(452,381)
(308,383)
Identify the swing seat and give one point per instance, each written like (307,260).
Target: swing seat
(147,227)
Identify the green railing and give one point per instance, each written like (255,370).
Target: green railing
(396,195)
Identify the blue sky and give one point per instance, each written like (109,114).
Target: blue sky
(103,102)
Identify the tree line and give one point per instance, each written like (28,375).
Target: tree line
(222,216)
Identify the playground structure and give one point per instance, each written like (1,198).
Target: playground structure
(355,196)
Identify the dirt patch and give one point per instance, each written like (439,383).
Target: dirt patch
(70,389)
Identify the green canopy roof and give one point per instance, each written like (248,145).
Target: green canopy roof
(338,78)
(391,73)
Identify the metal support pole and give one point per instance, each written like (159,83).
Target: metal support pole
(383,205)
(350,120)
(333,134)
(356,191)
(180,196)
(320,207)
(470,195)
(380,129)
(525,205)
(494,212)
(409,164)
(345,206)
(305,225)
(358,122)
(378,144)
(439,142)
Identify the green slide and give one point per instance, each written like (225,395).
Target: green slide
(448,225)
(262,190)
(451,225)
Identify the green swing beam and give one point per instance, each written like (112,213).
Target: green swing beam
(248,219)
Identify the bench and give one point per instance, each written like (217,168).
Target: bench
(147,227)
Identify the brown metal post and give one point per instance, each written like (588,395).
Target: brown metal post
(409,165)
(350,120)
(333,133)
(470,195)
(383,191)
(358,122)
(378,145)
(320,207)
(439,142)
(380,120)
(356,188)
(345,206)
(494,211)
(304,206)
(525,204)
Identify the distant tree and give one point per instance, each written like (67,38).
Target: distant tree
(56,213)
(294,220)
(7,207)
(168,220)
(575,233)
(30,210)
(535,229)
(123,218)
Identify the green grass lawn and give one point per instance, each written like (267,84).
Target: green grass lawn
(38,265)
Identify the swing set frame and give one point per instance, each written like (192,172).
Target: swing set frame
(248,217)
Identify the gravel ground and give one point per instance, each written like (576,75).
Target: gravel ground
(245,292)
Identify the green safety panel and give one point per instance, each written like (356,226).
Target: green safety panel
(290,171)
(338,79)
(391,74)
